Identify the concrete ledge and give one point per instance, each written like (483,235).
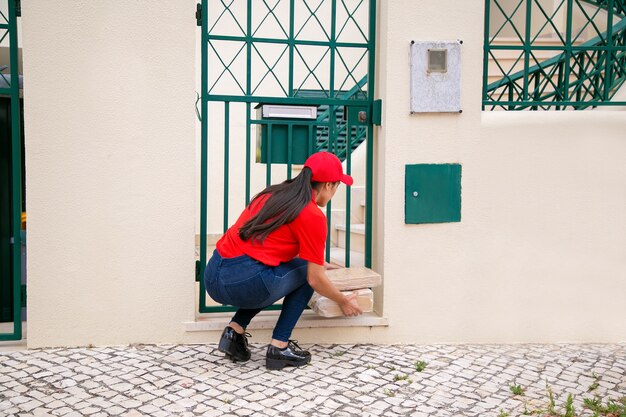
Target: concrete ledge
(267,320)
(358,228)
(12,345)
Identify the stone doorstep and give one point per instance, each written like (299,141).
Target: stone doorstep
(342,278)
(267,320)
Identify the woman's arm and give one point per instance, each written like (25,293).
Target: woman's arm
(329,266)
(317,279)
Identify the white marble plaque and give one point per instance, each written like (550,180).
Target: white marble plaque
(435,76)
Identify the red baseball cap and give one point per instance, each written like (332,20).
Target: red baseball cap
(326,167)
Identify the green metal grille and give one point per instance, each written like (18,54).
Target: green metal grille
(297,52)
(585,44)
(9,87)
(261,52)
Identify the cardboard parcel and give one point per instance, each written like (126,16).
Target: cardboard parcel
(348,280)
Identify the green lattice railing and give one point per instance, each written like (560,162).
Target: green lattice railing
(579,75)
(343,140)
(262,51)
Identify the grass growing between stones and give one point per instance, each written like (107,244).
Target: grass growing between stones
(595,383)
(389,392)
(399,377)
(420,366)
(612,408)
(593,407)
(516,389)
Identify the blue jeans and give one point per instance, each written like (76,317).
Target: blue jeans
(252,286)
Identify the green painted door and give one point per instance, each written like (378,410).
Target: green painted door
(6,218)
(10,174)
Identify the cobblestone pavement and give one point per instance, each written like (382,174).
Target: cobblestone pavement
(342,380)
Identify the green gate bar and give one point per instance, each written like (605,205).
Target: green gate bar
(203,160)
(226,160)
(578,76)
(16,210)
(323,133)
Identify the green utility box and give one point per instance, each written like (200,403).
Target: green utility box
(277,121)
(432,193)
(300,140)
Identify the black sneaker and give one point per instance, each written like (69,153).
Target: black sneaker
(234,345)
(292,355)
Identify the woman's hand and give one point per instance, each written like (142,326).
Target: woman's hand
(350,307)
(316,276)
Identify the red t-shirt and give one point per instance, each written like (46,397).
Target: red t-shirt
(304,237)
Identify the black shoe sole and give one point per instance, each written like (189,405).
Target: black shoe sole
(278,364)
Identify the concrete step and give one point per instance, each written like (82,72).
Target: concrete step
(357,204)
(338,257)
(357,213)
(507,58)
(357,236)
(338,216)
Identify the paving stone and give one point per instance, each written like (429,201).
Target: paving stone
(88,411)
(187,403)
(270,402)
(116,410)
(174,408)
(149,409)
(343,380)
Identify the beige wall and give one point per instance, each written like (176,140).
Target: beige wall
(539,254)
(110,170)
(537,257)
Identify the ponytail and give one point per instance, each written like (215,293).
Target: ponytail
(284,204)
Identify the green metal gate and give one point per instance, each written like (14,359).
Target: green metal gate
(10,165)
(319,54)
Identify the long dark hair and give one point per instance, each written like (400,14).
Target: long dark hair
(285,202)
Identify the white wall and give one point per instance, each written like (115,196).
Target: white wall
(110,170)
